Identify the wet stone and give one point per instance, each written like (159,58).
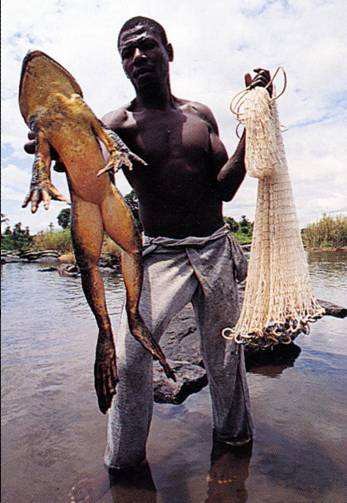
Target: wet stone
(190,379)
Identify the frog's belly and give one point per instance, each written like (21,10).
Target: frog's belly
(80,152)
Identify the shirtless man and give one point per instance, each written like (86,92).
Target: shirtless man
(188,254)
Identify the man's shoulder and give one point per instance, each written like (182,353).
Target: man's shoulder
(116,118)
(202,110)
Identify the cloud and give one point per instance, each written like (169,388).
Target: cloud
(215,45)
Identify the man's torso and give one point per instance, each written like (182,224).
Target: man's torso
(177,190)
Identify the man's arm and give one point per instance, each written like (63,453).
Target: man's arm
(231,172)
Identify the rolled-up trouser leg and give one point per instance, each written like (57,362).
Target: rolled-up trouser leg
(216,306)
(169,284)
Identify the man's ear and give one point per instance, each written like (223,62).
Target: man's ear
(170,52)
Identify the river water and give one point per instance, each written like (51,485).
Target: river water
(53,436)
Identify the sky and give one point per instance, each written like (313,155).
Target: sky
(215,44)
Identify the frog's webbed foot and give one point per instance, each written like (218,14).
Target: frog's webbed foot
(43,191)
(116,161)
(41,187)
(120,154)
(121,147)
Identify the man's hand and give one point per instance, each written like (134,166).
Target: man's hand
(262,79)
(105,372)
(30,148)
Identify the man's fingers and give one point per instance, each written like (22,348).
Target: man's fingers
(99,388)
(114,375)
(263,71)
(30,147)
(101,400)
(248,79)
(105,385)
(260,81)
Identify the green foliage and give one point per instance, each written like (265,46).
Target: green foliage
(328,232)
(64,218)
(7,242)
(53,240)
(16,239)
(243,239)
(234,226)
(242,230)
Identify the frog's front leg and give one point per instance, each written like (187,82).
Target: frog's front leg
(120,155)
(41,187)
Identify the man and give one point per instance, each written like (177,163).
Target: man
(188,254)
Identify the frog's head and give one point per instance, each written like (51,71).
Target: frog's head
(41,76)
(145,52)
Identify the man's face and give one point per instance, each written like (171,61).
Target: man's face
(144,57)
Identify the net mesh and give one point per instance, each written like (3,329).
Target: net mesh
(279,302)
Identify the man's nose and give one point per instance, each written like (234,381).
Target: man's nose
(138,54)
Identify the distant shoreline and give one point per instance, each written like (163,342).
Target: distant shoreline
(342,249)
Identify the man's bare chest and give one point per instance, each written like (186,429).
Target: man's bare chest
(164,137)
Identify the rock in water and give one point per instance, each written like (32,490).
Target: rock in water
(190,379)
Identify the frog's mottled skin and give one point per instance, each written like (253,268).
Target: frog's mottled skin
(51,103)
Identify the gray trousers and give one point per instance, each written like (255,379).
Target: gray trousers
(198,270)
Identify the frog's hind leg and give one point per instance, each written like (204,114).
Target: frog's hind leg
(87,235)
(120,226)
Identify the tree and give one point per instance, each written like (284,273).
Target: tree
(245,225)
(234,226)
(64,218)
(21,238)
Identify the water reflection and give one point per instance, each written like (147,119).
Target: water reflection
(272,363)
(229,470)
(132,486)
(228,473)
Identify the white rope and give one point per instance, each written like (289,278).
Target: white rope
(279,302)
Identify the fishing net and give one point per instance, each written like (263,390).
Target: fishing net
(279,302)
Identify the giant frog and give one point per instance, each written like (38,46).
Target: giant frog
(52,105)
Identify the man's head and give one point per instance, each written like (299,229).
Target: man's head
(145,22)
(145,52)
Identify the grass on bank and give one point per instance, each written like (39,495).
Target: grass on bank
(53,240)
(243,238)
(60,240)
(328,232)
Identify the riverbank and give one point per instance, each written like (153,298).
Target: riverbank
(339,249)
